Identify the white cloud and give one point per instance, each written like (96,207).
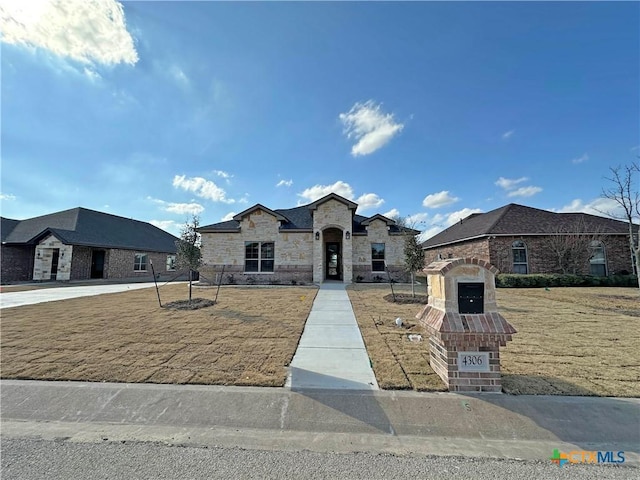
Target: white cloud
(223,174)
(599,206)
(181,208)
(393,213)
(510,183)
(228,216)
(168,225)
(318,191)
(368,201)
(417,219)
(440,199)
(507,135)
(202,188)
(88,31)
(441,221)
(284,183)
(91,74)
(524,192)
(581,159)
(7,196)
(369,126)
(185,208)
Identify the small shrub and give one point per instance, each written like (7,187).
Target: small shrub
(251,281)
(294,281)
(378,279)
(231,280)
(359,278)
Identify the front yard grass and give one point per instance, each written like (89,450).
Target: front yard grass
(247,338)
(570,341)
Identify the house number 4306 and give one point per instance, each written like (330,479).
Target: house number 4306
(473,361)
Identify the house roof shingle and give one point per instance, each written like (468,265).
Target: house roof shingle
(81,226)
(514,219)
(300,218)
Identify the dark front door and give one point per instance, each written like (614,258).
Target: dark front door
(54,263)
(97,264)
(334,261)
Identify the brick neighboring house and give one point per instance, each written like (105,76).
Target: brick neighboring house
(324,240)
(81,244)
(515,239)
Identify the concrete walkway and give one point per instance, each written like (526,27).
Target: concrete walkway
(331,353)
(41,295)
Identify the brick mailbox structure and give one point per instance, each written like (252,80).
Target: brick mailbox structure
(464,326)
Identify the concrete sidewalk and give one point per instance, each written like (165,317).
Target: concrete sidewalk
(30,297)
(400,422)
(331,353)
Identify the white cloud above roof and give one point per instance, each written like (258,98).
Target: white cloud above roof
(202,187)
(88,31)
(368,201)
(167,225)
(318,191)
(509,183)
(284,183)
(599,206)
(440,199)
(393,213)
(369,126)
(228,216)
(511,186)
(524,192)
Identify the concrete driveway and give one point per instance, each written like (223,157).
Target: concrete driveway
(41,295)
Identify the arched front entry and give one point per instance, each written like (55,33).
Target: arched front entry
(333,258)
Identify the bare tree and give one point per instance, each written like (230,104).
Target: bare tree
(624,191)
(413,252)
(572,246)
(188,255)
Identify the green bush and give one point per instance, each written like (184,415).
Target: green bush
(510,280)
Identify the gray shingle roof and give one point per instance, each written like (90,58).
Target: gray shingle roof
(81,226)
(514,219)
(297,218)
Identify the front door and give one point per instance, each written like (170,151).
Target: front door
(54,263)
(97,264)
(334,261)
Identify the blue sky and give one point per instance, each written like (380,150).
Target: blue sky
(434,110)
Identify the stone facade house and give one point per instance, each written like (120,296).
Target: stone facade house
(520,239)
(324,240)
(81,244)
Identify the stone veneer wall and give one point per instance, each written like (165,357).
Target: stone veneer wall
(42,263)
(332,214)
(498,252)
(293,252)
(16,263)
(378,232)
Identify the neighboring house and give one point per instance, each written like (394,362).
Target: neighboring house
(519,239)
(325,240)
(80,244)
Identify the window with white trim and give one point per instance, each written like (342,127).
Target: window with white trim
(171,263)
(519,255)
(598,261)
(377,257)
(140,262)
(259,257)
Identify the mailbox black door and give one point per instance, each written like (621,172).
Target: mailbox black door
(471,297)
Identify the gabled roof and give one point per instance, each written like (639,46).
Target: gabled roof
(333,196)
(377,216)
(258,206)
(301,218)
(81,226)
(514,219)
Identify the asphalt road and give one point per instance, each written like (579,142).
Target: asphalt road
(62,459)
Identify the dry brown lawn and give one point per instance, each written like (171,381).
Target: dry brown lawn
(570,341)
(247,338)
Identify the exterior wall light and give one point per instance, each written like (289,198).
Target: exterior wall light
(317,235)
(348,235)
